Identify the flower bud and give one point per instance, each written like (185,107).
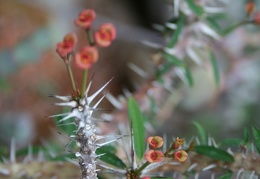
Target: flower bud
(86,57)
(67,45)
(180,155)
(155,141)
(105,35)
(177,143)
(154,156)
(85,18)
(250,6)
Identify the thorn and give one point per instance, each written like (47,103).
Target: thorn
(4,171)
(192,167)
(90,98)
(117,104)
(196,176)
(230,151)
(63,98)
(209,167)
(239,172)
(138,70)
(72,104)
(252,175)
(12,151)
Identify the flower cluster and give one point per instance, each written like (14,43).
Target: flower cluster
(156,142)
(88,55)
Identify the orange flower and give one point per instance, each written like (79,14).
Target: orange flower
(85,18)
(86,57)
(250,6)
(105,35)
(180,155)
(67,45)
(154,156)
(155,141)
(177,143)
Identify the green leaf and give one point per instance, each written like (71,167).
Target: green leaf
(226,176)
(215,67)
(246,136)
(136,119)
(198,10)
(188,76)
(256,136)
(177,33)
(110,157)
(202,133)
(173,59)
(214,153)
(213,24)
(231,142)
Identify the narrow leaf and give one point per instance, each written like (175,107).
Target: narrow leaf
(213,24)
(173,59)
(215,67)
(188,76)
(136,118)
(110,157)
(226,176)
(196,9)
(246,136)
(214,153)
(177,33)
(202,133)
(231,142)
(256,136)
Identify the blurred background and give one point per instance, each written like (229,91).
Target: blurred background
(30,69)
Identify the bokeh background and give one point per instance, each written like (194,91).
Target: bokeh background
(30,69)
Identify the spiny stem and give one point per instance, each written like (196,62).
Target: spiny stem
(84,82)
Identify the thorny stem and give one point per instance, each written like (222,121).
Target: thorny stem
(84,82)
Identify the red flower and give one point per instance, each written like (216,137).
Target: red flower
(67,45)
(105,35)
(146,178)
(86,57)
(155,141)
(180,155)
(257,18)
(154,156)
(177,143)
(250,6)
(85,18)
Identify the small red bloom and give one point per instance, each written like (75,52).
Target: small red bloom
(146,178)
(67,45)
(257,18)
(155,141)
(86,57)
(177,143)
(250,6)
(105,35)
(85,18)
(154,156)
(180,155)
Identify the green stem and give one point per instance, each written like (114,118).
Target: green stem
(90,38)
(142,167)
(71,77)
(84,82)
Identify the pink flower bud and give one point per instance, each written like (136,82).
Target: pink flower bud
(146,178)
(177,143)
(155,141)
(85,18)
(105,35)
(180,155)
(154,156)
(86,57)
(67,45)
